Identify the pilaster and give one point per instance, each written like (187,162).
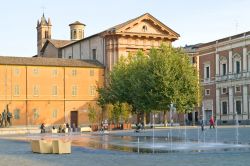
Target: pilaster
(218,103)
(231,102)
(244,61)
(230,62)
(217,61)
(245,102)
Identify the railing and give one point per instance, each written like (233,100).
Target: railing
(228,77)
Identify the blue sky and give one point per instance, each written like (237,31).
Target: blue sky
(195,20)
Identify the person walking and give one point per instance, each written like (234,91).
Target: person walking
(211,122)
(42,128)
(202,125)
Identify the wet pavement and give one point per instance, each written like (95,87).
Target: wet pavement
(94,150)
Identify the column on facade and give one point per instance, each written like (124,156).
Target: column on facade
(217,68)
(230,63)
(115,51)
(245,102)
(110,54)
(244,61)
(217,104)
(230,102)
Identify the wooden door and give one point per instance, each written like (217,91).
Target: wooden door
(74,118)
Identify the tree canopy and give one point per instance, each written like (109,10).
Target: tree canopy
(153,81)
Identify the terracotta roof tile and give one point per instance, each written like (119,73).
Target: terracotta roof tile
(37,61)
(60,43)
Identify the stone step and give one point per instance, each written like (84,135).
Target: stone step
(19,130)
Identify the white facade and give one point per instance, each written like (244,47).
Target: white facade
(90,48)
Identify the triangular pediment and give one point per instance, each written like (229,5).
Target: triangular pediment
(148,25)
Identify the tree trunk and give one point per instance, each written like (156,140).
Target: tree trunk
(144,118)
(165,118)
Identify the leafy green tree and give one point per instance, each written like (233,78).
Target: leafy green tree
(92,115)
(153,82)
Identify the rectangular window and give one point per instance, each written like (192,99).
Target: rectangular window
(94,54)
(74,90)
(237,88)
(35,113)
(92,90)
(54,114)
(237,67)
(35,71)
(207,92)
(35,90)
(194,59)
(238,106)
(224,90)
(73,72)
(224,69)
(92,72)
(16,90)
(224,108)
(16,71)
(54,73)
(207,72)
(54,90)
(17,114)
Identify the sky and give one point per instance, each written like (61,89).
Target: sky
(197,21)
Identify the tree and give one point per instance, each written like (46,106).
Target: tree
(153,81)
(92,114)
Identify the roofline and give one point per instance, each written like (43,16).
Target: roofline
(49,41)
(77,23)
(225,39)
(178,35)
(89,63)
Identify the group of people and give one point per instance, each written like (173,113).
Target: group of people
(63,128)
(5,117)
(211,123)
(139,127)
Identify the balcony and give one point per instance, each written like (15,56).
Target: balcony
(225,78)
(233,76)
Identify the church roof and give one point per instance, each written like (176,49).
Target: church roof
(59,43)
(119,26)
(36,61)
(56,43)
(76,23)
(44,21)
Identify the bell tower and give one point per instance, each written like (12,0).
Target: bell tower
(43,32)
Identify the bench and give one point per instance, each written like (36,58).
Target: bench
(85,129)
(41,146)
(54,131)
(51,146)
